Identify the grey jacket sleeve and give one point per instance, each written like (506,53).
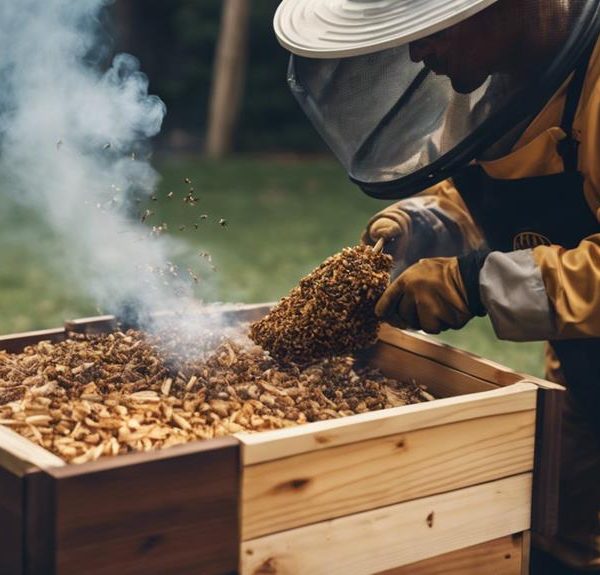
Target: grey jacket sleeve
(513,292)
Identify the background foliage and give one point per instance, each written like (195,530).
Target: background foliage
(176,41)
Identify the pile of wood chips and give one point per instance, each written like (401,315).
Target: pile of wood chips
(331,312)
(93,396)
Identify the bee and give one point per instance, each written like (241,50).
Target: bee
(170,195)
(194,277)
(190,199)
(106,146)
(187,181)
(146,215)
(223,222)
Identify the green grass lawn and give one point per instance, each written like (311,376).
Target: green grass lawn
(283,218)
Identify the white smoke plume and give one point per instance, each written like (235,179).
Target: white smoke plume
(74,143)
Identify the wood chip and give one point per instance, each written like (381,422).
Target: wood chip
(38,419)
(145,396)
(166,386)
(181,422)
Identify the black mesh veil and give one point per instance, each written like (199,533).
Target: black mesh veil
(397,127)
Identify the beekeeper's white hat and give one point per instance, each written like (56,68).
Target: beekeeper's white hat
(340,28)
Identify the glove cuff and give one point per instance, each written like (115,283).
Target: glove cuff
(469,266)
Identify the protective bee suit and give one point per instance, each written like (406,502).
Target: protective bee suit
(515,232)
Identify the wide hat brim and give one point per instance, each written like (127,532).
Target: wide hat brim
(343,28)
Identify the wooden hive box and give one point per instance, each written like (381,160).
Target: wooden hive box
(439,487)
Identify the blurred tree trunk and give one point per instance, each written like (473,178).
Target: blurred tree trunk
(228,77)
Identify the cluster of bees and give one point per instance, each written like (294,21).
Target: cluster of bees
(331,312)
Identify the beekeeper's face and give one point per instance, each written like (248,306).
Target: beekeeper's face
(473,49)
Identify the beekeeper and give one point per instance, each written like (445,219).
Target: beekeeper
(503,97)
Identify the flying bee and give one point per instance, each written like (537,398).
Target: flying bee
(173,269)
(146,215)
(190,199)
(194,277)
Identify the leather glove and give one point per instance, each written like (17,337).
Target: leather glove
(393,225)
(414,228)
(435,294)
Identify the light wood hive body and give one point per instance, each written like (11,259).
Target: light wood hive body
(438,487)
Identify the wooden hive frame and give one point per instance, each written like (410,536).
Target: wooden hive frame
(423,489)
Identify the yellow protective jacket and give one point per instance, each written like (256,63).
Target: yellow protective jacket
(571,277)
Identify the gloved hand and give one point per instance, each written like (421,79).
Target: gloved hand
(414,228)
(435,294)
(393,225)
